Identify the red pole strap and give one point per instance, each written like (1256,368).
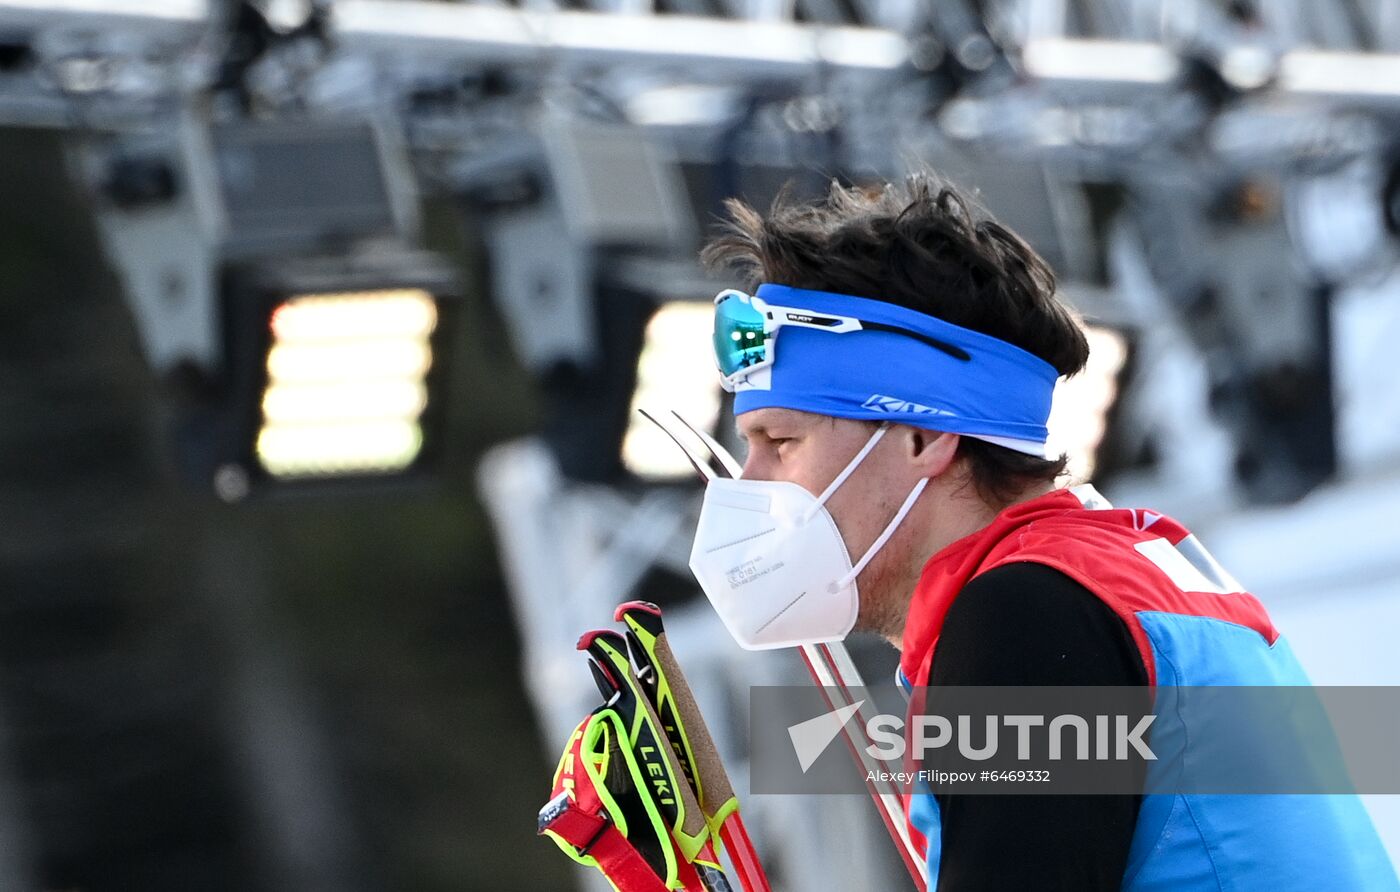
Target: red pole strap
(594,834)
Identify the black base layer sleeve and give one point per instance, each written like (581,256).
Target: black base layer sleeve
(1028,624)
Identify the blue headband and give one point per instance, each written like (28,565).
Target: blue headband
(1001,394)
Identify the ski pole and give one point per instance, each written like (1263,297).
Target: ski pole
(665,683)
(612,670)
(834,674)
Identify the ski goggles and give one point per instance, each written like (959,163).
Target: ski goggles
(746,333)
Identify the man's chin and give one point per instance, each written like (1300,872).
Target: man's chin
(880,619)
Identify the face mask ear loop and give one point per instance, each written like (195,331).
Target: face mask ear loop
(883,537)
(846,471)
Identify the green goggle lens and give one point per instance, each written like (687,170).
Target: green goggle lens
(740,341)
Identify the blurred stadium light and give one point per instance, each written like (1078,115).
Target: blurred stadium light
(274,282)
(346,382)
(332,373)
(672,375)
(1084,403)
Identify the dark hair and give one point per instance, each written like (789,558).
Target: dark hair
(925,245)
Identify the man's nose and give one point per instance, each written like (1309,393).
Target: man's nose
(754,466)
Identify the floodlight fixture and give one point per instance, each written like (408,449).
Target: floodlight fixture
(273,272)
(333,374)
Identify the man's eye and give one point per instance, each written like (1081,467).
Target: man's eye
(779,442)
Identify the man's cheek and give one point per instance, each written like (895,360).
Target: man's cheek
(847,514)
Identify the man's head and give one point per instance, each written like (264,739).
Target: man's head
(924,246)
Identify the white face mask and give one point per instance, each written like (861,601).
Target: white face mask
(772,562)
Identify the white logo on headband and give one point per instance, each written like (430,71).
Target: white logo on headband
(894,405)
(759,379)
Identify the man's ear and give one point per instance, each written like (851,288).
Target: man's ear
(931,452)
